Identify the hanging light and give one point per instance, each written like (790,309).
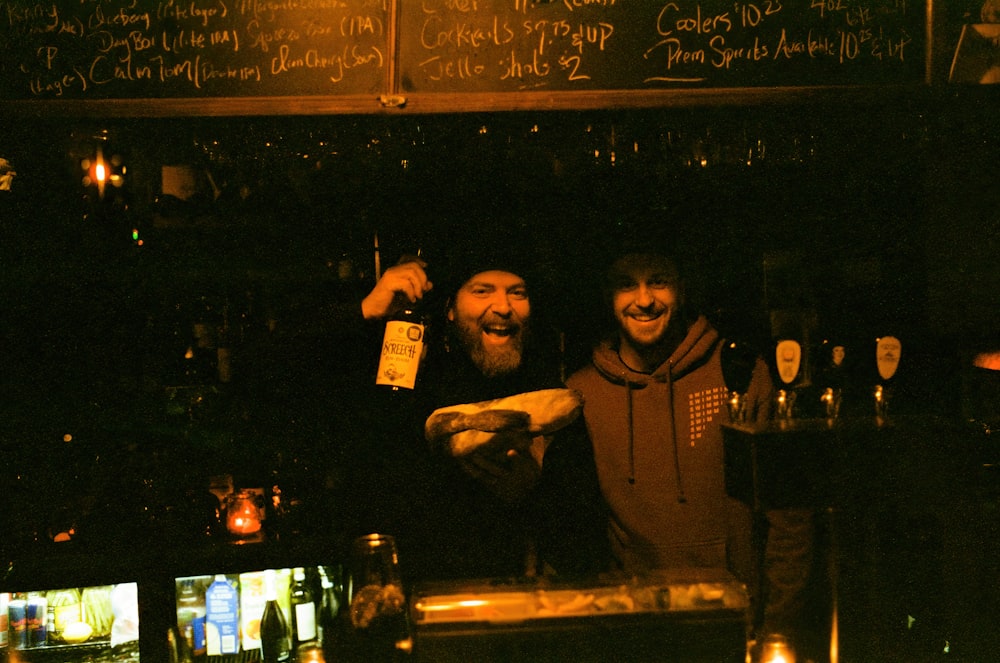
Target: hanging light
(95,172)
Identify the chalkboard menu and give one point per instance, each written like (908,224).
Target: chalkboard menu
(262,55)
(525,45)
(115,49)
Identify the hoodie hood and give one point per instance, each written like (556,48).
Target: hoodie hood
(694,350)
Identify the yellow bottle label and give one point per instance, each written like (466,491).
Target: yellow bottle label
(65,615)
(402,348)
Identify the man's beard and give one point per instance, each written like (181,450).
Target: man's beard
(492,360)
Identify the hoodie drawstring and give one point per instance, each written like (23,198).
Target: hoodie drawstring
(681,497)
(631,433)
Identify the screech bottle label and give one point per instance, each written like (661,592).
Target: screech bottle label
(402,349)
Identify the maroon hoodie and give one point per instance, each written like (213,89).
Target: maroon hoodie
(658,450)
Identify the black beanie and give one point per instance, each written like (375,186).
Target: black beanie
(491,247)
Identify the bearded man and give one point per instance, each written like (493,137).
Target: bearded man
(468,515)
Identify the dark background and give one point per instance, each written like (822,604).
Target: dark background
(843,222)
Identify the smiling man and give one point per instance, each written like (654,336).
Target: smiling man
(647,301)
(654,404)
(490,315)
(654,401)
(467,515)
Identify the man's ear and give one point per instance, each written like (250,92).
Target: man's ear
(451,310)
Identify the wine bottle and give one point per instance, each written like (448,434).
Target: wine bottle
(275,642)
(303,609)
(329,605)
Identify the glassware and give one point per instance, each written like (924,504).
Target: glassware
(375,595)
(831,398)
(243,516)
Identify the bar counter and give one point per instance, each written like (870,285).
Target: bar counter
(906,548)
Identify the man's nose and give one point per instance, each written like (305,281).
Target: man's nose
(500,303)
(644,295)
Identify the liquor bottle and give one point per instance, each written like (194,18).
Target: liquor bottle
(191,617)
(329,605)
(303,609)
(403,345)
(275,642)
(402,349)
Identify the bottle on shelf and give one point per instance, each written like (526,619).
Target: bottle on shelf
(191,617)
(50,625)
(331,586)
(275,639)
(67,608)
(303,609)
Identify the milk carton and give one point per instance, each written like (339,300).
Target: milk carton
(222,617)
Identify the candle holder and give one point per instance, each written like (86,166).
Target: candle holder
(777,649)
(831,399)
(243,516)
(784,405)
(737,406)
(881,402)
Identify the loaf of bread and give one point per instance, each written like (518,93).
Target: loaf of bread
(468,426)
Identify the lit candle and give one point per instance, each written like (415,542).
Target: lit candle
(777,650)
(243,516)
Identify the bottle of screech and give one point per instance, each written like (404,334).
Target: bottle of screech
(402,350)
(403,347)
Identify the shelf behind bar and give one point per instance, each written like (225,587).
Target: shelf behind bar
(428,103)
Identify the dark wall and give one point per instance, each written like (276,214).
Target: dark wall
(850,215)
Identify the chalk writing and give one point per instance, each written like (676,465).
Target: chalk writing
(127,49)
(179,48)
(498,45)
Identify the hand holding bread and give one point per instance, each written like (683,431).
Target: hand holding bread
(466,427)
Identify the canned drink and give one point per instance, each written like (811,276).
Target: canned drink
(37,614)
(17,611)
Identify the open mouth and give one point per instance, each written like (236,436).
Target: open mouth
(646,317)
(499,333)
